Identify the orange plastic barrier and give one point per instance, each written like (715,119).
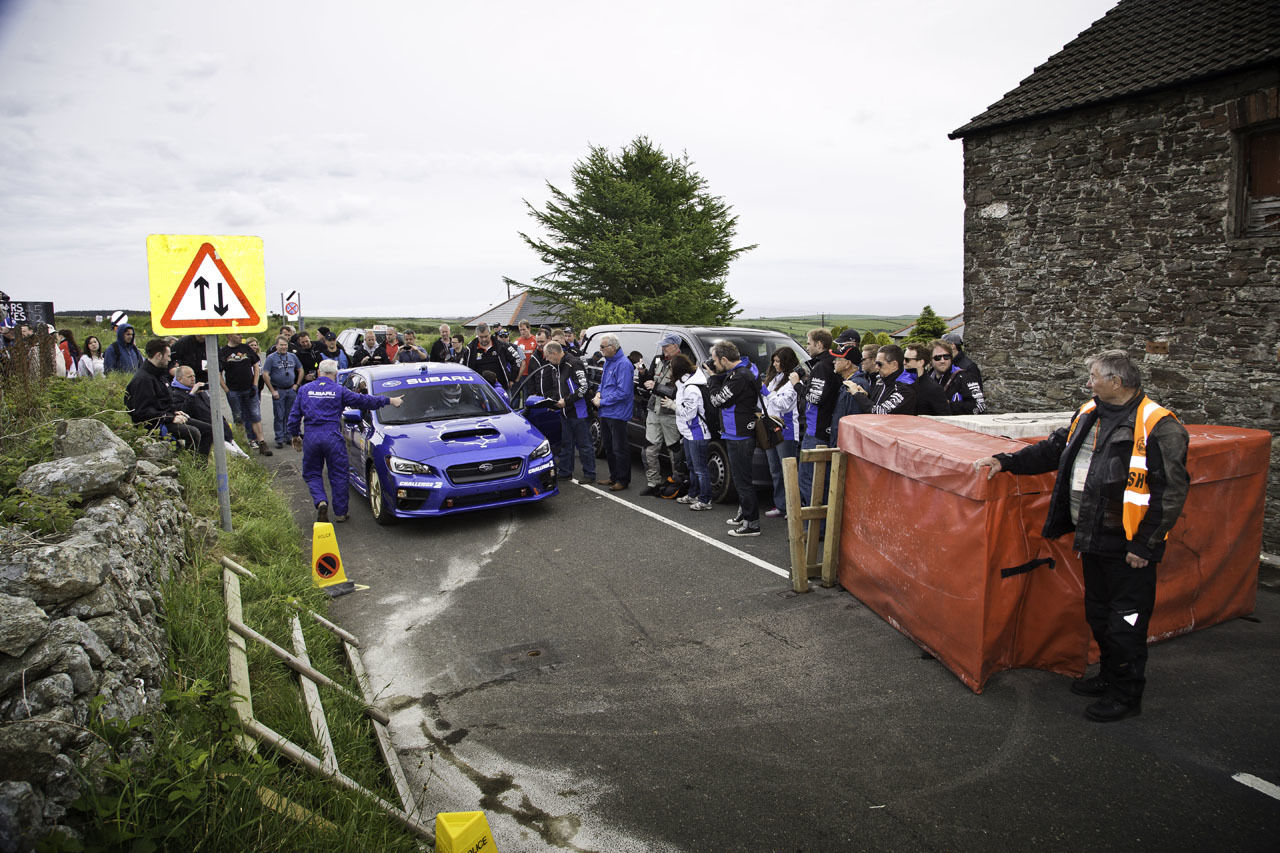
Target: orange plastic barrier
(956,562)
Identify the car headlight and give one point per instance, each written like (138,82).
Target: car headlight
(541,450)
(408,466)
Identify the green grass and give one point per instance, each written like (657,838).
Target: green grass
(197,791)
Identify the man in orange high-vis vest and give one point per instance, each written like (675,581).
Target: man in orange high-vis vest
(1122,480)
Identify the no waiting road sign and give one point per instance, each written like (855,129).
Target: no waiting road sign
(205,284)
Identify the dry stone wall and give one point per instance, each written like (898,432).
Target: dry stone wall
(1112,227)
(82,617)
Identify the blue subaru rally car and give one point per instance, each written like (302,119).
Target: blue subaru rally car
(454,445)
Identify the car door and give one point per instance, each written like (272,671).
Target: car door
(356,434)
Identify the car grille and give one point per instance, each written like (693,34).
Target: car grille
(462,501)
(483,472)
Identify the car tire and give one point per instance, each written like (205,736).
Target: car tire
(597,440)
(722,490)
(380,505)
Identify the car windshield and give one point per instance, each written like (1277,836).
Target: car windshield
(444,402)
(757,346)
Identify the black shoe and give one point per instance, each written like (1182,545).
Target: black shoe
(322,511)
(1110,710)
(1095,686)
(747,528)
(279,445)
(340,518)
(649,490)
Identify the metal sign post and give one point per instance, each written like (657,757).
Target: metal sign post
(219,442)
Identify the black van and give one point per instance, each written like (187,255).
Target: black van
(695,342)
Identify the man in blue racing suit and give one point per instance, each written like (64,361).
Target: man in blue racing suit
(320,404)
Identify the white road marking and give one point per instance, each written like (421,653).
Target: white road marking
(1257,784)
(728,549)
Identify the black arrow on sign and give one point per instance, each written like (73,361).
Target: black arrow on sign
(222,307)
(203,285)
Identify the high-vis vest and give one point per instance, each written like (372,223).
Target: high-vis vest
(1137,493)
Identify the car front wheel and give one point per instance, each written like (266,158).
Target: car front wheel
(379,501)
(722,490)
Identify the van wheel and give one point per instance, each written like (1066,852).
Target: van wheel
(722,490)
(379,502)
(597,440)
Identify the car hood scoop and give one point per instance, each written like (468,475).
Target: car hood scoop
(470,433)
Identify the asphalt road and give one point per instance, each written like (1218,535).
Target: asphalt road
(595,678)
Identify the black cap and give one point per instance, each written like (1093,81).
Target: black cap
(849,335)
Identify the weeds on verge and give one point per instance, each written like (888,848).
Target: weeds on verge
(176,779)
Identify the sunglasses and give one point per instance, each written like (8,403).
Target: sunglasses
(880,364)
(942,358)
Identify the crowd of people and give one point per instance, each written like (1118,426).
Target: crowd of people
(65,357)
(798,404)
(293,361)
(792,407)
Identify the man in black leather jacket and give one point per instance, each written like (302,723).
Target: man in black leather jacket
(1122,480)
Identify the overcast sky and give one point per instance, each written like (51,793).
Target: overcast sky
(383,150)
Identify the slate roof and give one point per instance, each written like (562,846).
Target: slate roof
(1140,46)
(537,309)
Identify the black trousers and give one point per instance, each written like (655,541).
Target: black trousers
(613,432)
(1118,600)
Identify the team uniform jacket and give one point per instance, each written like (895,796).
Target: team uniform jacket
(962,390)
(781,402)
(1100,527)
(498,357)
(893,396)
(930,399)
(691,415)
(821,391)
(321,402)
(736,396)
(574,386)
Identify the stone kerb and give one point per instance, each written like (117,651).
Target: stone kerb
(82,617)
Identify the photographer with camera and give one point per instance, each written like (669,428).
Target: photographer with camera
(660,420)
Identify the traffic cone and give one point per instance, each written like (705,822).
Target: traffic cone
(463,832)
(326,561)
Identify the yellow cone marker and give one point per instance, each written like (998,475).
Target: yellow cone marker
(326,561)
(463,832)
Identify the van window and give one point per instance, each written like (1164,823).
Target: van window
(757,346)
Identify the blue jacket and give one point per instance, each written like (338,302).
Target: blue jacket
(617,388)
(321,402)
(120,355)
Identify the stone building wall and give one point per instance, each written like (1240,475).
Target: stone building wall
(81,617)
(1111,227)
